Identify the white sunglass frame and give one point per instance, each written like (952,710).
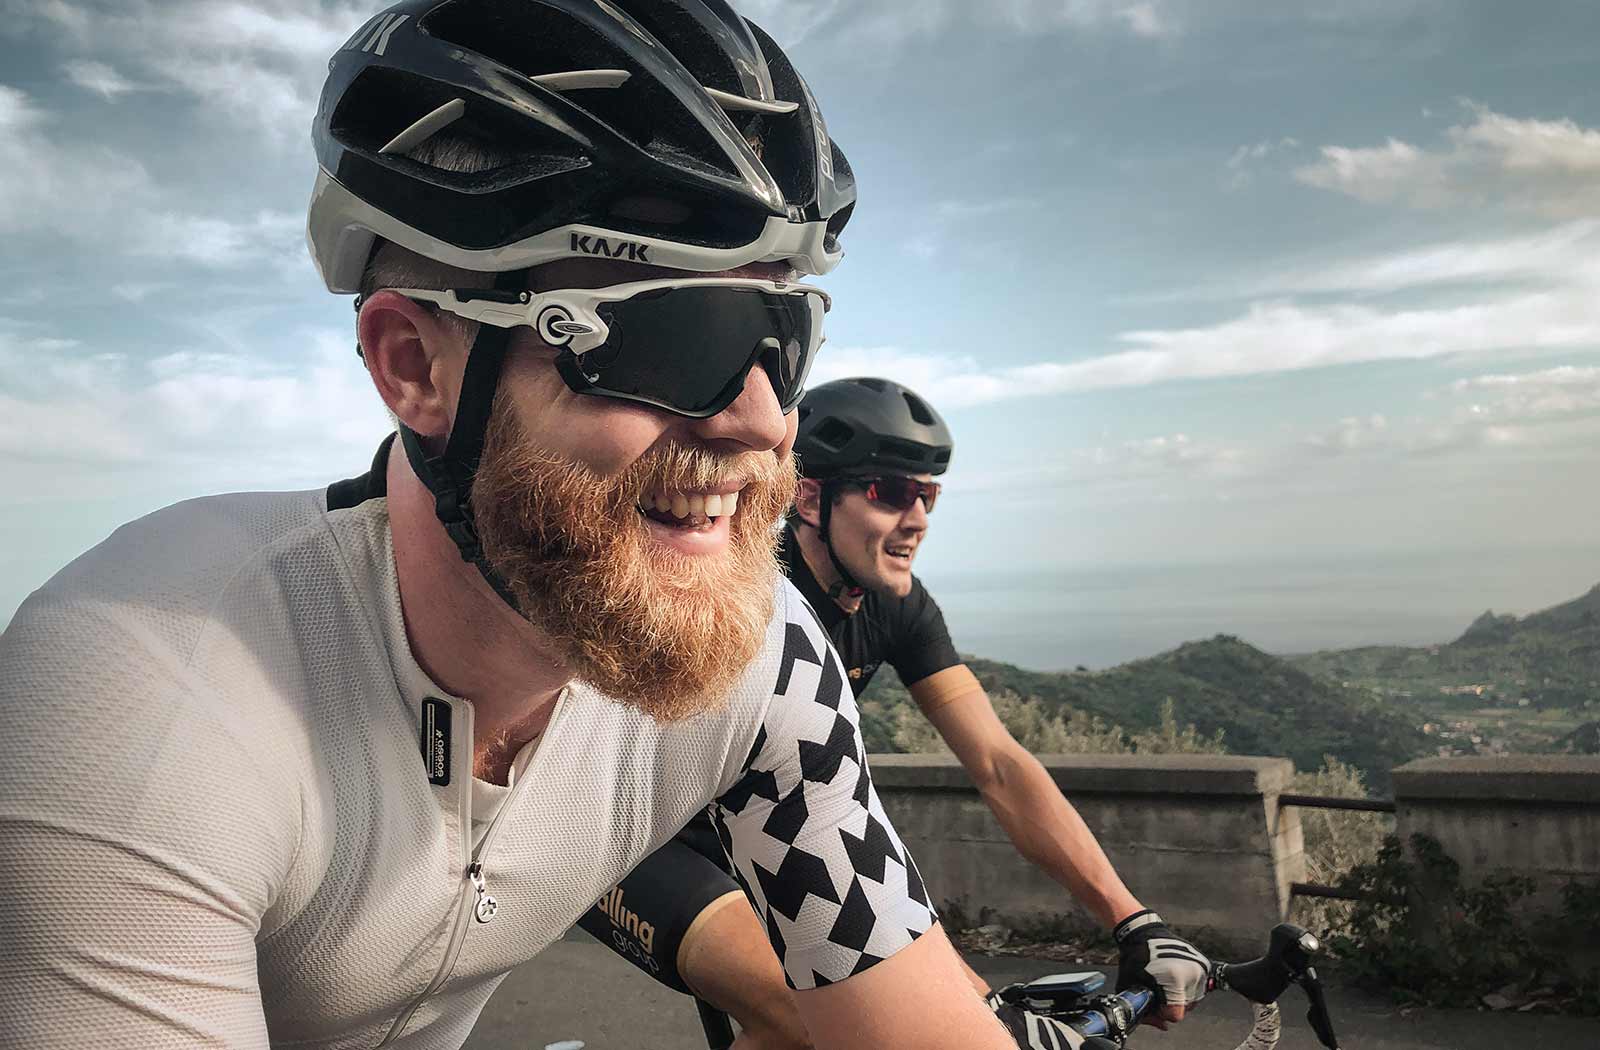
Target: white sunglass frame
(568,318)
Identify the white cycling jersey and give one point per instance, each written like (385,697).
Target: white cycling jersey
(235,812)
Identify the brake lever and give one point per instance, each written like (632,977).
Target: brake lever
(1317,1016)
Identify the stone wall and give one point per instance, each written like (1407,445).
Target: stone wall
(1200,838)
(1531,815)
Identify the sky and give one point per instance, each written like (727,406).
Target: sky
(1194,282)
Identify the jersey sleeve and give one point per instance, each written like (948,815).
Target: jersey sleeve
(137,851)
(921,645)
(806,833)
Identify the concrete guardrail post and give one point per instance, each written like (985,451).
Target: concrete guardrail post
(1532,815)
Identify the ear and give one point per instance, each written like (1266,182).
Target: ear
(416,360)
(808,502)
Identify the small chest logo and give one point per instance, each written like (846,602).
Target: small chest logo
(436,740)
(633,251)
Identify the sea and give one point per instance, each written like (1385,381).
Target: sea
(1099,616)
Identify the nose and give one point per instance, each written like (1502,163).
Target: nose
(915,518)
(754,421)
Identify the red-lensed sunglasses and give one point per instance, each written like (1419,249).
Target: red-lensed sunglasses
(899,492)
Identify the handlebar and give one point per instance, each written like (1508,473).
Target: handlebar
(1107,1020)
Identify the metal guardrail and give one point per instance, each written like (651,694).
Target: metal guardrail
(1370,805)
(1361,805)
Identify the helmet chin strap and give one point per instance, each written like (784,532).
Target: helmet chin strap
(449,475)
(846,586)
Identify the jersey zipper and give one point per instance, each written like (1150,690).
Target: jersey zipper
(491,832)
(479,903)
(458,931)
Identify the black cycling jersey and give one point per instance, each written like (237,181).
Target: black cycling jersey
(645,918)
(908,633)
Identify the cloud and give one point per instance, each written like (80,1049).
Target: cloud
(1547,166)
(794,22)
(1245,159)
(1353,433)
(959,210)
(138,291)
(256,65)
(1267,338)
(106,198)
(1554,410)
(1566,256)
(183,412)
(928,242)
(1146,19)
(63,186)
(1529,397)
(1563,255)
(211,241)
(99,78)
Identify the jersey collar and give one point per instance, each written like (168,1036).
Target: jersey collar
(806,583)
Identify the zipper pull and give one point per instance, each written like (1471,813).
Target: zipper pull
(484,910)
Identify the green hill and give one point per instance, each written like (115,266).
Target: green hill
(1262,704)
(1550,659)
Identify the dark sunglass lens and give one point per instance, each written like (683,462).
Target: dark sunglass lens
(891,492)
(689,349)
(900,493)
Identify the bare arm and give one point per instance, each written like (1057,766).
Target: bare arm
(1045,827)
(917,999)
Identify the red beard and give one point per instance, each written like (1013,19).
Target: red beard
(648,626)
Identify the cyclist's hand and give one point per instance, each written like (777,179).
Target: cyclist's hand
(1033,1031)
(1169,966)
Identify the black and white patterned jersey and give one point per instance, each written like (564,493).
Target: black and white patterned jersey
(806,833)
(235,811)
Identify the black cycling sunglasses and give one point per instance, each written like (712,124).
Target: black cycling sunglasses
(685,346)
(893,490)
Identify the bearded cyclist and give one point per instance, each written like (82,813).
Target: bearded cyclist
(869,450)
(319,768)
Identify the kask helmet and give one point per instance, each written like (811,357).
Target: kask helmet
(672,132)
(669,132)
(863,425)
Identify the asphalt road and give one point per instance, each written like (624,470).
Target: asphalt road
(579,991)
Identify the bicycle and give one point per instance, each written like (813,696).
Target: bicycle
(1107,1020)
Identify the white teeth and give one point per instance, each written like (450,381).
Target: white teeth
(684,505)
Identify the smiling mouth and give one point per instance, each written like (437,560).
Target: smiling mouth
(689,510)
(900,552)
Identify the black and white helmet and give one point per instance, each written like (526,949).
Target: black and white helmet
(672,132)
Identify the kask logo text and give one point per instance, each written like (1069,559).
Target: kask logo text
(633,251)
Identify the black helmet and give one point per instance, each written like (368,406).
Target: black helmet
(856,426)
(627,126)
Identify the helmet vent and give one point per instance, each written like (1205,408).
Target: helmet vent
(834,434)
(905,451)
(919,410)
(872,384)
